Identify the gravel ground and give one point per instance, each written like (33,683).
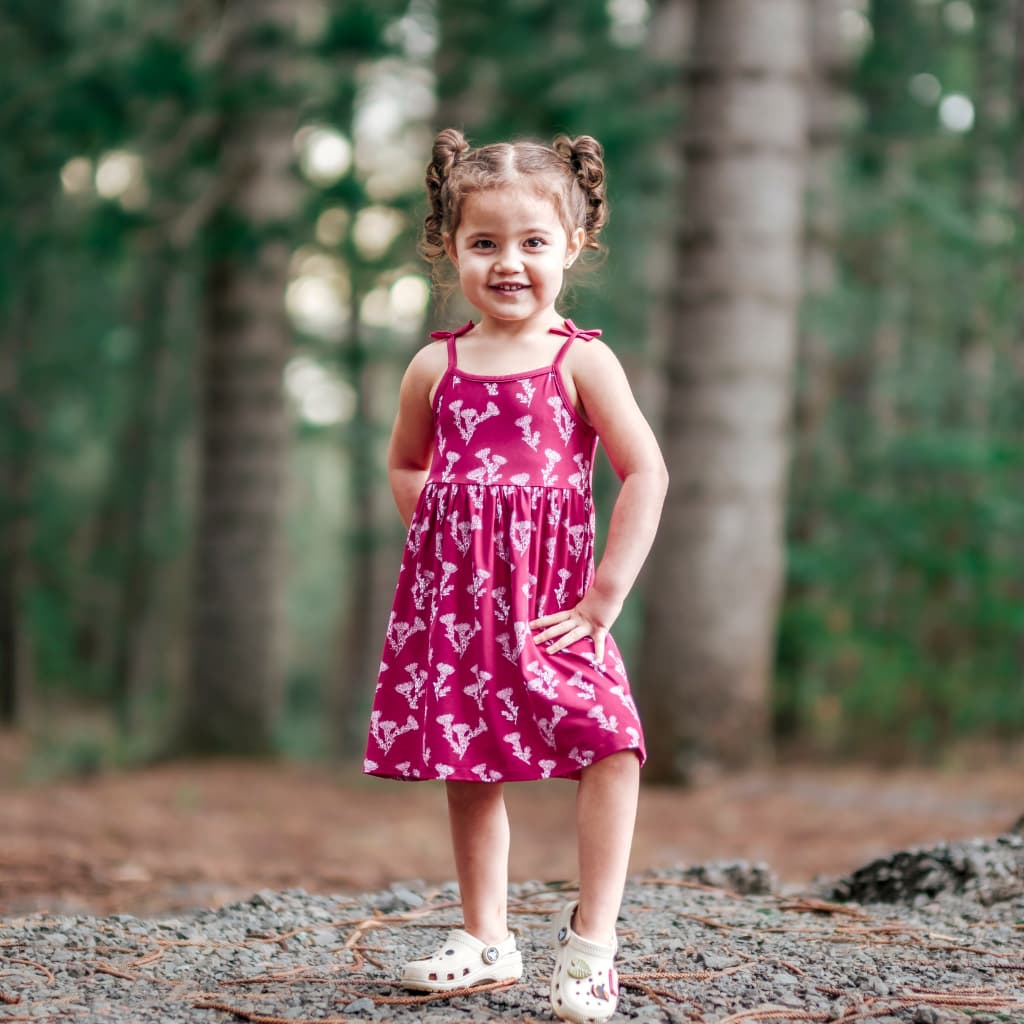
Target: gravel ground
(719,943)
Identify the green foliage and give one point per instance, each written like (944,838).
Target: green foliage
(900,633)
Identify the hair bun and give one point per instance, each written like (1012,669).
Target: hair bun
(586,157)
(449,146)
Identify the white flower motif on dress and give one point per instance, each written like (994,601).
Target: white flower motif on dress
(417,530)
(369,766)
(467,420)
(444,588)
(459,634)
(584,758)
(518,750)
(563,419)
(478,690)
(399,632)
(607,722)
(441,689)
(420,589)
(521,531)
(460,734)
(449,471)
(576,537)
(511,709)
(385,733)
(545,680)
(634,736)
(531,438)
(617,663)
(512,653)
(485,774)
(525,393)
(627,700)
(476,587)
(444,770)
(585,688)
(579,480)
(462,531)
(413,689)
(520,479)
(488,472)
(549,546)
(503,608)
(528,586)
(547,725)
(563,577)
(554,504)
(491,387)
(546,768)
(546,473)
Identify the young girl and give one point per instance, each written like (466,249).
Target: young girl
(498,664)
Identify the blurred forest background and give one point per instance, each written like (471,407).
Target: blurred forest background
(209,289)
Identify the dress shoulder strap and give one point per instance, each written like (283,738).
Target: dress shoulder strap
(571,332)
(450,336)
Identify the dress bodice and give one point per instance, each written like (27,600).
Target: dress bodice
(514,430)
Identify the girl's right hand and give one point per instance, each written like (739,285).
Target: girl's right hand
(592,617)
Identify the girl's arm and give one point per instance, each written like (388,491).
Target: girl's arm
(412,437)
(636,458)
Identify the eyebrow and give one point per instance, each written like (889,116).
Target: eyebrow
(528,231)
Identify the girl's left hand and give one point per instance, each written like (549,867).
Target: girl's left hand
(592,617)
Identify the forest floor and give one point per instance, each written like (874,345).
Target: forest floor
(201,834)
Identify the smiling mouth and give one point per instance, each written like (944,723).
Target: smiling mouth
(509,287)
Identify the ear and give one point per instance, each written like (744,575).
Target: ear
(574,246)
(449,248)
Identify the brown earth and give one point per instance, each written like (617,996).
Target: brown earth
(193,834)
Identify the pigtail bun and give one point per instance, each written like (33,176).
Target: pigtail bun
(586,158)
(449,146)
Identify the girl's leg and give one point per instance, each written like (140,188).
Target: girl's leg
(480,839)
(605,816)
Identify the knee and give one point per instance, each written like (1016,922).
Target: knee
(622,767)
(472,795)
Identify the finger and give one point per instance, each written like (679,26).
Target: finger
(599,646)
(546,620)
(554,630)
(577,633)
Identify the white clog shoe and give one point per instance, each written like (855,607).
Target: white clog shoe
(464,961)
(584,985)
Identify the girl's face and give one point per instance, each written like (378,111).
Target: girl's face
(511,252)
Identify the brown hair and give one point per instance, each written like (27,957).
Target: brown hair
(569,171)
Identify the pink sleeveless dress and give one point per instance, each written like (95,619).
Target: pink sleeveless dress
(503,533)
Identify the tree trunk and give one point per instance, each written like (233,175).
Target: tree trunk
(716,571)
(828,104)
(236,678)
(16,661)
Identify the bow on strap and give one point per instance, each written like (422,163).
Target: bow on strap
(570,330)
(457,333)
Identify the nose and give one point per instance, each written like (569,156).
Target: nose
(509,261)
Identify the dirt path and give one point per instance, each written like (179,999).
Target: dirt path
(203,834)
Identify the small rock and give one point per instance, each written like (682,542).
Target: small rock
(408,897)
(715,961)
(361,1005)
